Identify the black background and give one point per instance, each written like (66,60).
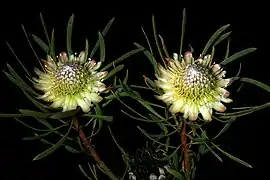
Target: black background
(243,139)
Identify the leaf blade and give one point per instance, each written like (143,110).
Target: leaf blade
(54,147)
(238,55)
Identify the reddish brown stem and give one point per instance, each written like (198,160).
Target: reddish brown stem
(92,151)
(185,149)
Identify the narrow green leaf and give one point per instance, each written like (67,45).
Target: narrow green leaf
(224,129)
(69,34)
(120,59)
(15,75)
(165,145)
(121,94)
(149,82)
(164,47)
(30,44)
(55,147)
(104,32)
(156,40)
(52,46)
(114,71)
(35,113)
(237,55)
(176,174)
(126,78)
(44,122)
(232,157)
(41,43)
(257,83)
(60,115)
(224,36)
(45,134)
(116,96)
(101,47)
(20,84)
(184,19)
(213,152)
(86,50)
(30,127)
(147,40)
(149,56)
(142,119)
(12,115)
(84,173)
(17,58)
(44,28)
(227,50)
(150,108)
(100,117)
(72,150)
(213,38)
(41,106)
(176,161)
(119,147)
(243,112)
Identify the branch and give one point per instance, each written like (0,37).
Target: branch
(92,151)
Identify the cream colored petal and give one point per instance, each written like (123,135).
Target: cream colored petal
(216,68)
(186,111)
(72,103)
(193,112)
(221,74)
(218,106)
(175,56)
(39,73)
(97,87)
(167,97)
(99,75)
(82,57)
(84,105)
(206,113)
(223,82)
(93,97)
(66,104)
(176,106)
(58,103)
(162,85)
(90,64)
(163,71)
(97,66)
(223,91)
(226,100)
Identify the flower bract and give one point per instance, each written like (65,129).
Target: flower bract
(193,86)
(70,81)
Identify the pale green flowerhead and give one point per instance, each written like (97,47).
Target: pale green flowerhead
(68,82)
(193,86)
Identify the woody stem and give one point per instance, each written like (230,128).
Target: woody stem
(185,149)
(92,151)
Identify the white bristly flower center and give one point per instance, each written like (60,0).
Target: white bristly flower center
(70,78)
(196,80)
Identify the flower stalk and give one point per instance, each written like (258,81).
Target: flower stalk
(92,151)
(185,149)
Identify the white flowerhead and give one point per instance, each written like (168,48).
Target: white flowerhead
(68,82)
(193,86)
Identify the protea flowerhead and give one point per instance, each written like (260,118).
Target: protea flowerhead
(68,82)
(193,86)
